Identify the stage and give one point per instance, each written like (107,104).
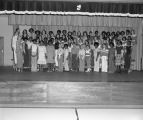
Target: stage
(7,74)
(70,89)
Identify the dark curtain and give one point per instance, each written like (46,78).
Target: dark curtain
(132,8)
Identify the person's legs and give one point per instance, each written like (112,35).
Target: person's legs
(66,65)
(88,63)
(81,64)
(74,62)
(56,60)
(48,67)
(32,64)
(96,65)
(60,63)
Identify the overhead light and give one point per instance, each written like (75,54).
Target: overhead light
(78,7)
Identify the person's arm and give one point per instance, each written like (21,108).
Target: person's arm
(13,43)
(98,54)
(54,53)
(46,52)
(37,53)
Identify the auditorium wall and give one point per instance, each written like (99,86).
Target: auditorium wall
(6,31)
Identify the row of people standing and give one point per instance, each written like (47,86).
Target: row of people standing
(60,54)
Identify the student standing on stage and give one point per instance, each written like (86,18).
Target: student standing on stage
(119,56)
(50,56)
(111,60)
(56,50)
(88,58)
(19,53)
(104,58)
(128,57)
(29,44)
(134,50)
(96,57)
(74,54)
(81,58)
(41,56)
(14,41)
(25,52)
(34,55)
(70,54)
(60,57)
(66,57)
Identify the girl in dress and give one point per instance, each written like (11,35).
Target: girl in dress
(50,56)
(111,56)
(88,58)
(104,58)
(28,52)
(34,55)
(74,54)
(25,48)
(128,56)
(96,57)
(81,56)
(60,57)
(119,56)
(14,41)
(66,57)
(134,49)
(70,55)
(56,50)
(41,56)
(19,53)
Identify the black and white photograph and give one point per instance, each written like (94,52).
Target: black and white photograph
(71,59)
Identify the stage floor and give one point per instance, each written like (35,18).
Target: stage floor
(70,89)
(7,74)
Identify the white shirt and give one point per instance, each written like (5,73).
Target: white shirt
(34,48)
(81,53)
(87,52)
(66,53)
(60,52)
(14,41)
(29,44)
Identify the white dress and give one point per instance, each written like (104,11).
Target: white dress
(41,55)
(66,55)
(104,59)
(96,60)
(14,41)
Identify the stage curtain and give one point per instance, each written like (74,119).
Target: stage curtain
(82,23)
(72,20)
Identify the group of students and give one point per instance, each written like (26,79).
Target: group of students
(72,51)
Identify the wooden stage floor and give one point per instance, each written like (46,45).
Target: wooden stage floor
(80,90)
(7,74)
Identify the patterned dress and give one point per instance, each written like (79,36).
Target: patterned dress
(128,58)
(42,55)
(19,53)
(111,61)
(104,59)
(74,59)
(96,60)
(60,58)
(81,60)
(119,55)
